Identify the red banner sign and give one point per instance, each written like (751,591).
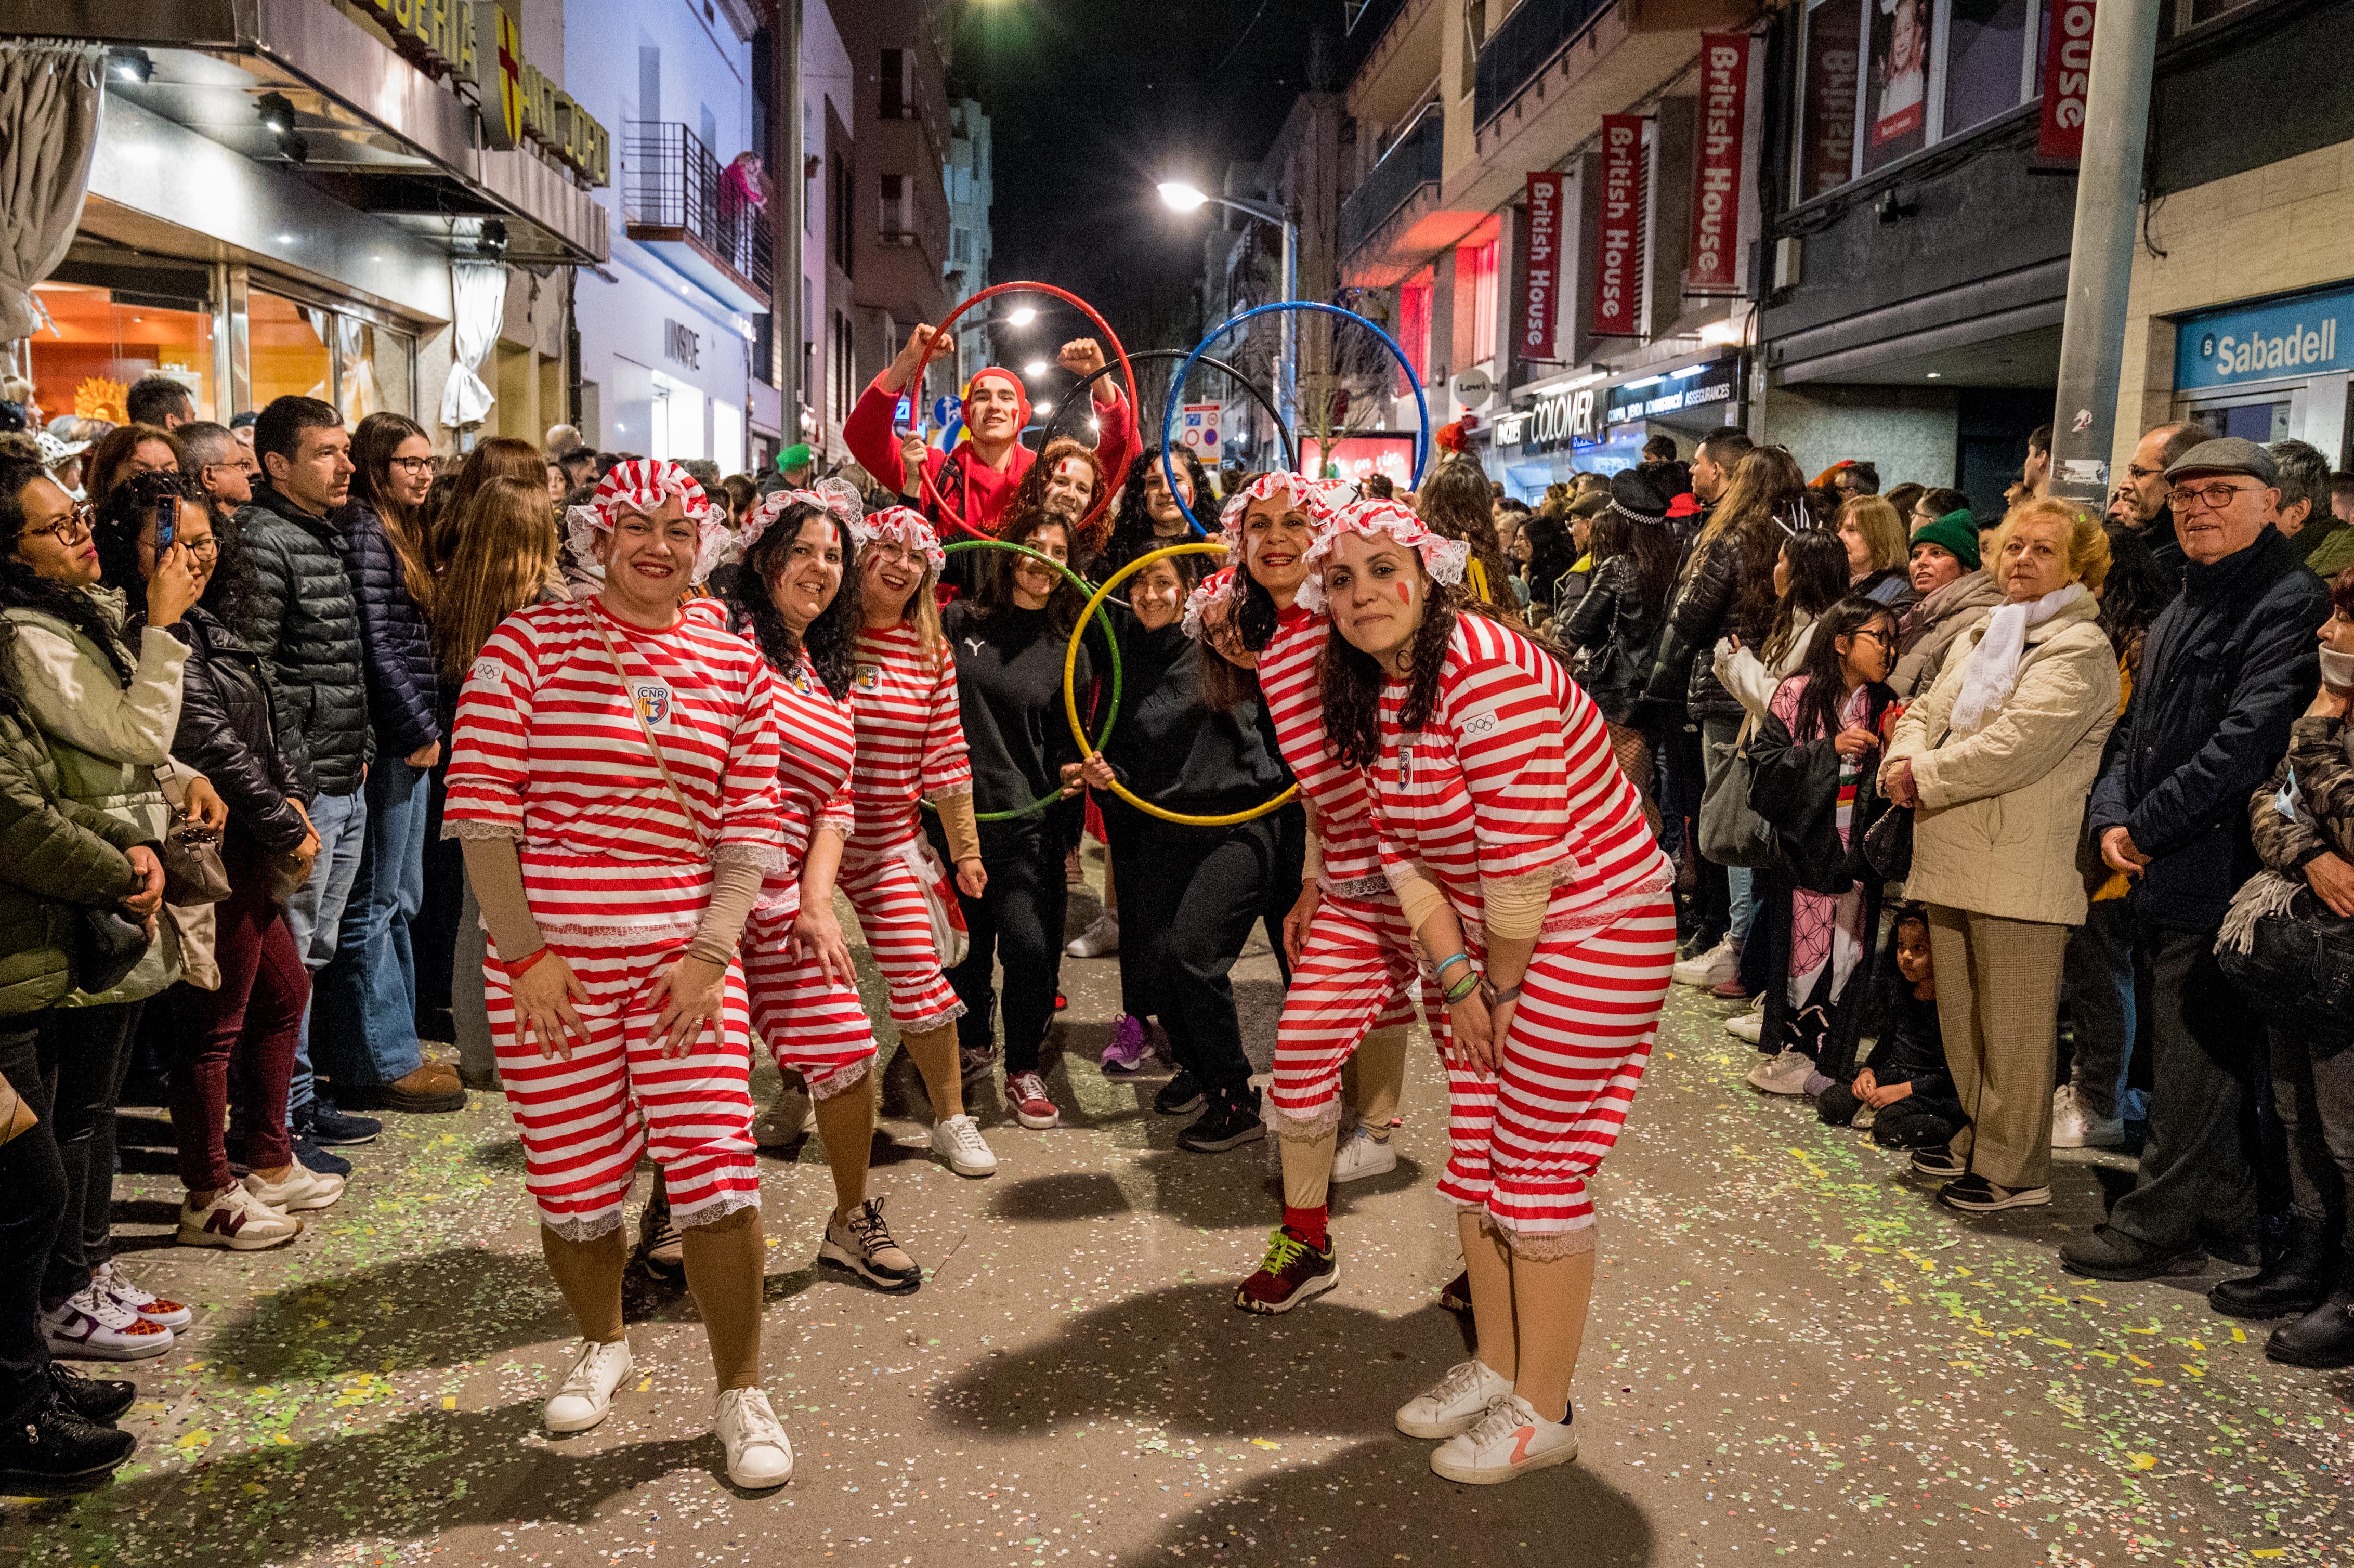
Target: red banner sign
(2067,77)
(1541,292)
(1618,236)
(1711,266)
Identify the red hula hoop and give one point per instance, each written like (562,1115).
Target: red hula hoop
(940,334)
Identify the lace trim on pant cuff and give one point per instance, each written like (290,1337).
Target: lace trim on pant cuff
(1540,1247)
(582,1227)
(1319,1123)
(936,1021)
(841,1078)
(769,858)
(1375,887)
(718,1208)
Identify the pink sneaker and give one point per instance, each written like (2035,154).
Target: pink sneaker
(1128,1048)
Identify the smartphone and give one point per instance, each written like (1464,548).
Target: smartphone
(167,513)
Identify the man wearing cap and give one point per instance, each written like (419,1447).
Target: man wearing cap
(2228,665)
(975,483)
(1955,595)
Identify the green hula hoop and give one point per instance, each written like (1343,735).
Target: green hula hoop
(1111,711)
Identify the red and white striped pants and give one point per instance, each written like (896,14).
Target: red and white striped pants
(1523,1144)
(1358,973)
(814,1025)
(585,1118)
(882,887)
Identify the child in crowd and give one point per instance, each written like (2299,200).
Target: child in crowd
(1903,1093)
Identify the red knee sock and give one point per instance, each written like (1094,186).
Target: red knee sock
(1308,1224)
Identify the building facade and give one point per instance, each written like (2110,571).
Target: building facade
(969,183)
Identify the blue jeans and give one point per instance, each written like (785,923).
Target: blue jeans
(316,912)
(2098,981)
(366,998)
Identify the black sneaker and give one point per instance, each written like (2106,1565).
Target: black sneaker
(1180,1096)
(56,1454)
(318,1162)
(1938,1164)
(325,1126)
(862,1245)
(976,1067)
(1974,1194)
(661,1250)
(97,1400)
(1231,1119)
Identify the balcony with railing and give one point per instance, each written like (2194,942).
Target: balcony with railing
(680,203)
(1411,166)
(1517,52)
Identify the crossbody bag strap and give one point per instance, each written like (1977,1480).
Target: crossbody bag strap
(662,763)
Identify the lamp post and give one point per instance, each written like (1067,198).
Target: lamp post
(1181,196)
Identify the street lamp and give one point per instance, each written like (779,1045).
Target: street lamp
(1181,196)
(1021,316)
(1034,369)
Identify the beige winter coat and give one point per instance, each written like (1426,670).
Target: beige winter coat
(2001,810)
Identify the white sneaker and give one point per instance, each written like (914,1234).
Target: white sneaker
(1784,1073)
(1099,940)
(2073,1125)
(235,1219)
(587,1396)
(110,1282)
(1508,1441)
(958,1140)
(1455,1401)
(759,1455)
(1361,1154)
(302,1189)
(87,1325)
(1749,1026)
(1717,965)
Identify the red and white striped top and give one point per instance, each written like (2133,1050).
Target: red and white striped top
(1514,775)
(819,747)
(546,750)
(1295,704)
(910,735)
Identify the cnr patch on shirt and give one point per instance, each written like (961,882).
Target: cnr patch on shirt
(869,677)
(652,698)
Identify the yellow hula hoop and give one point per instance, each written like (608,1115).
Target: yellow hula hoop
(1071,699)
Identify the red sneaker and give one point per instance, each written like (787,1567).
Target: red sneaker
(1027,1092)
(1291,1273)
(1456,1295)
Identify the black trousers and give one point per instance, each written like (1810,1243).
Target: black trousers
(85,1053)
(1017,922)
(1184,921)
(433,935)
(1124,836)
(33,1177)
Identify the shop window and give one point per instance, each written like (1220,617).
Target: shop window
(675,418)
(1985,60)
(727,436)
(1414,328)
(103,342)
(288,344)
(1896,81)
(1883,78)
(1475,291)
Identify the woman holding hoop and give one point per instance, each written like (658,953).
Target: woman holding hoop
(1008,640)
(613,783)
(911,747)
(1193,738)
(805,988)
(1552,931)
(1349,1004)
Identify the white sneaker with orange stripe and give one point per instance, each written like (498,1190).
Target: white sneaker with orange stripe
(109,1281)
(1508,1441)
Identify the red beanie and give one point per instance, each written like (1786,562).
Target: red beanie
(997,373)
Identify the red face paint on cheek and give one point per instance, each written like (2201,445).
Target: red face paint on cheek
(1403,597)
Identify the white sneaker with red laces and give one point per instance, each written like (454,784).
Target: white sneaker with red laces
(86,1326)
(1027,1092)
(109,1281)
(1505,1443)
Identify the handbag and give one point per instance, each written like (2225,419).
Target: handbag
(289,872)
(2298,967)
(106,948)
(951,940)
(1887,845)
(17,1117)
(1730,832)
(192,871)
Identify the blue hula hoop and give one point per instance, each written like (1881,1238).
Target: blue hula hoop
(1176,386)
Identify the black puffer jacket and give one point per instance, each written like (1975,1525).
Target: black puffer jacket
(394,646)
(1617,626)
(1702,612)
(307,632)
(228,734)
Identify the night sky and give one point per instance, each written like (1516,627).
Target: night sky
(1092,103)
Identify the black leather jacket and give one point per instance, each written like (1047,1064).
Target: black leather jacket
(228,734)
(1616,627)
(1702,612)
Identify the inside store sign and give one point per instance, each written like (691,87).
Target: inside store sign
(515,102)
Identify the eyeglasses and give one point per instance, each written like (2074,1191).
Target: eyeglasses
(72,528)
(410,465)
(2214,496)
(1885,639)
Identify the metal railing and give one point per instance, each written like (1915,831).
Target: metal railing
(1523,45)
(673,181)
(1411,163)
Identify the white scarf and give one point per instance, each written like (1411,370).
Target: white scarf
(1993,669)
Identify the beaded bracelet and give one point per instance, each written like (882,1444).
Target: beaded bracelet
(1446,964)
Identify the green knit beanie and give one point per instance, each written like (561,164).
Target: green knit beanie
(1957,533)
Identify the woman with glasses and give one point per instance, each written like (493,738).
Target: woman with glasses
(1997,760)
(246,1030)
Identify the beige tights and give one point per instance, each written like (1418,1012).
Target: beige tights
(935,1051)
(1530,1314)
(845,1119)
(724,1264)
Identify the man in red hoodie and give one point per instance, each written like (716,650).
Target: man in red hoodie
(976,481)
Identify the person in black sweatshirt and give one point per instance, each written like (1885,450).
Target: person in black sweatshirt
(1903,1091)
(1193,738)
(1009,638)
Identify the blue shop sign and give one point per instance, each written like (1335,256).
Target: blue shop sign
(2308,335)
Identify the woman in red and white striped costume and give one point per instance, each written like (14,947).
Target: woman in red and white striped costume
(613,781)
(910,748)
(788,600)
(1350,1007)
(1520,858)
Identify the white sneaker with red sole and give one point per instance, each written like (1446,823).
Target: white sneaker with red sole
(86,1326)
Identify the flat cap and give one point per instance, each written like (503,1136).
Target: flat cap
(2226,454)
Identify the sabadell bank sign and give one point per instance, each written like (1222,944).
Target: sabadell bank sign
(2310,334)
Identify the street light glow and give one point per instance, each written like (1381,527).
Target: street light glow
(1034,369)
(1181,196)
(1021,316)
(1044,410)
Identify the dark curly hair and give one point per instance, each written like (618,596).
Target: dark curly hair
(22,588)
(1132,532)
(1087,532)
(1352,680)
(229,592)
(831,638)
(995,591)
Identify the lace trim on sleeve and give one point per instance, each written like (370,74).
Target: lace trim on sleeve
(480,828)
